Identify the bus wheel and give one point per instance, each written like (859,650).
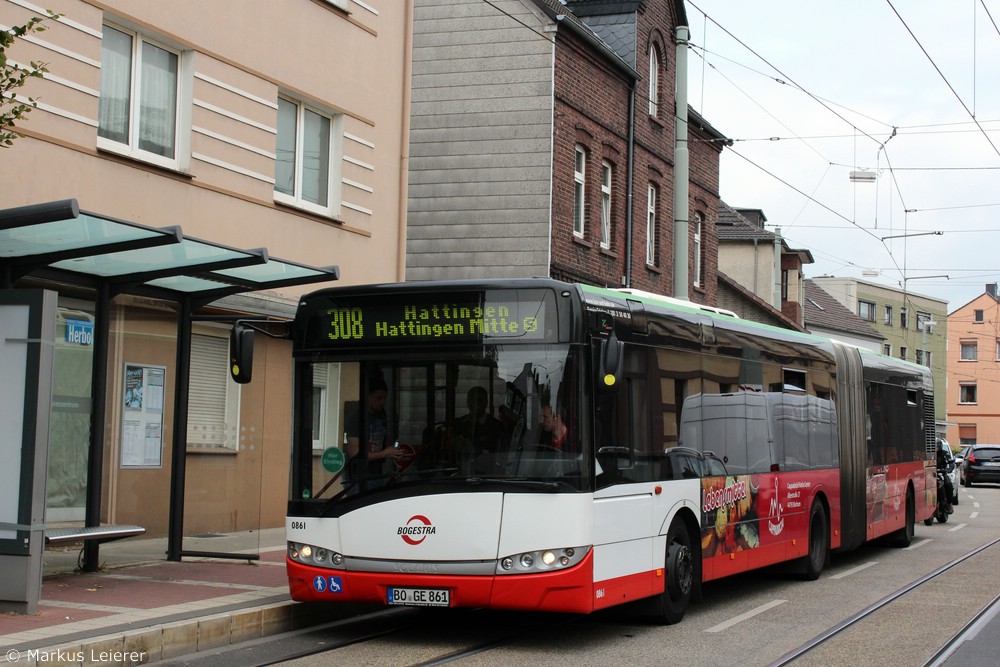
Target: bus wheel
(819,543)
(904,535)
(676,596)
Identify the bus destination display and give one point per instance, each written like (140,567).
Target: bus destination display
(426,319)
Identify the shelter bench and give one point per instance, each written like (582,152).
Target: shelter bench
(91,533)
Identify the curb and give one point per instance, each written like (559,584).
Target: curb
(174,639)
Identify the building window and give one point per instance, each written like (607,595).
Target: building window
(654,82)
(887,319)
(924,321)
(307,160)
(138,112)
(927,358)
(902,353)
(326,405)
(579,190)
(651,225)
(887,349)
(866,310)
(904,321)
(214,399)
(698,250)
(998,349)
(607,172)
(970,351)
(967,393)
(977,316)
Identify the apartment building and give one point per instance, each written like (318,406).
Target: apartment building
(248,124)
(973,396)
(543,144)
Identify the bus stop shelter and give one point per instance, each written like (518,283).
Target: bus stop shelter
(56,244)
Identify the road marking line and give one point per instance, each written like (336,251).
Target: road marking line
(958,527)
(918,544)
(854,570)
(742,617)
(976,505)
(973,515)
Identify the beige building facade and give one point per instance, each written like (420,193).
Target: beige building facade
(248,123)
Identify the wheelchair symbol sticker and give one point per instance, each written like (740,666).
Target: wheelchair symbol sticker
(322,584)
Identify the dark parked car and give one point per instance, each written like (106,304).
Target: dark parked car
(981,464)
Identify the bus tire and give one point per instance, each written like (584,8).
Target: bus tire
(819,543)
(679,572)
(902,537)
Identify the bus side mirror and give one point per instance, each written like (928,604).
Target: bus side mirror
(241,353)
(610,371)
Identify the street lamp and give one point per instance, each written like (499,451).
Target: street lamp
(900,236)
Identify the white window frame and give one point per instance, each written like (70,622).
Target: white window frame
(579,190)
(698,225)
(887,349)
(654,82)
(866,310)
(181,159)
(213,396)
(966,345)
(335,157)
(962,388)
(328,385)
(887,318)
(651,194)
(977,316)
(998,349)
(607,178)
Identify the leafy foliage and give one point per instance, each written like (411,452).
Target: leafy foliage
(13,76)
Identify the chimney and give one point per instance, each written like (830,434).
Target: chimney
(991,289)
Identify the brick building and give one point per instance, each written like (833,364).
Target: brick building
(546,146)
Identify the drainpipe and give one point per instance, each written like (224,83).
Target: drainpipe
(629,185)
(777,268)
(681,170)
(403,205)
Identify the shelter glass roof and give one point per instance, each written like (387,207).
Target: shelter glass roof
(58,241)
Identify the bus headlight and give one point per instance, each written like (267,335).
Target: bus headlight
(545,560)
(307,554)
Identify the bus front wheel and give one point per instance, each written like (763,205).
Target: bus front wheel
(680,571)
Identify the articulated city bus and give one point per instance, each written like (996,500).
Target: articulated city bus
(538,445)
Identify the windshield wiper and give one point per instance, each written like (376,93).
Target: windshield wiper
(533,483)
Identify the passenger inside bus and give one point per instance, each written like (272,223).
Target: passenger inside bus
(478,428)
(372,459)
(555,433)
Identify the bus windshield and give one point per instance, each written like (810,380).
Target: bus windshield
(504,416)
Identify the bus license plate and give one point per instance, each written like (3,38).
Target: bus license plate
(418,597)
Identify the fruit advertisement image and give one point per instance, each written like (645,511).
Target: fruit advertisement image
(730,514)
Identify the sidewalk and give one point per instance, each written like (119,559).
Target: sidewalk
(141,608)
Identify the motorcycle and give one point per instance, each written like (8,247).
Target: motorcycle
(941,511)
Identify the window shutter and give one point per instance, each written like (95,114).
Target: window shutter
(207,425)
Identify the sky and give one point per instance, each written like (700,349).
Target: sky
(905,90)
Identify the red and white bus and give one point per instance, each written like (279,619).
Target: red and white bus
(538,445)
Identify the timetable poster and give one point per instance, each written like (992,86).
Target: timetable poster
(142,416)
